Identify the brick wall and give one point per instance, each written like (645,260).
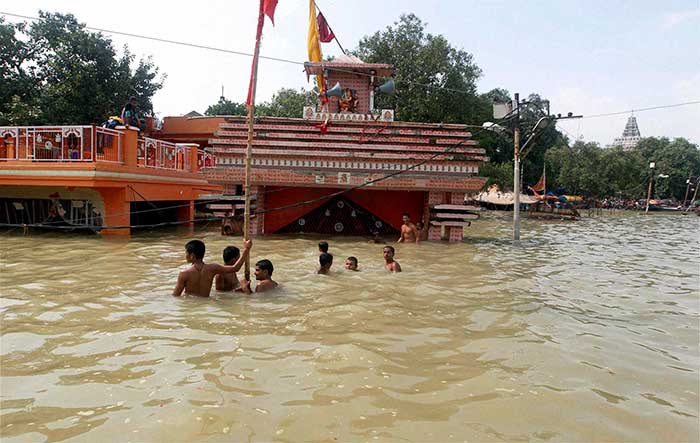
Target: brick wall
(358,82)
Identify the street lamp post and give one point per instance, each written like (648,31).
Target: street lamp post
(516,169)
(502,110)
(652,165)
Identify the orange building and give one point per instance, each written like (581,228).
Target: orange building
(94,178)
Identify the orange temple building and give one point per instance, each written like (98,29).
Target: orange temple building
(323,172)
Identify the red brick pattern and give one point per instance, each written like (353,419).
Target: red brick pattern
(294,153)
(353,81)
(456,233)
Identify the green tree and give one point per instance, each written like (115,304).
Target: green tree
(54,71)
(427,67)
(226,107)
(285,103)
(589,170)
(677,158)
(288,103)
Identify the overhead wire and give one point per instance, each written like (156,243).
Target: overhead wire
(236,52)
(651,108)
(301,63)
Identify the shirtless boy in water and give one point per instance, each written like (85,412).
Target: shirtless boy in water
(390,264)
(409,232)
(228,281)
(325,261)
(263,274)
(197,279)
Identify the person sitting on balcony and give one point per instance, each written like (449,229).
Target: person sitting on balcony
(130,115)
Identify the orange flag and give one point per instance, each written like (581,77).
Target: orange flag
(313,42)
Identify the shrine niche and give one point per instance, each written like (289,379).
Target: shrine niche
(347,103)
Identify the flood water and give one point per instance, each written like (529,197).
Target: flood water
(586,331)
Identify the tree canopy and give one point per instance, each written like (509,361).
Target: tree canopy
(589,170)
(286,102)
(54,71)
(429,72)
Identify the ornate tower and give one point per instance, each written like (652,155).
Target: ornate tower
(630,136)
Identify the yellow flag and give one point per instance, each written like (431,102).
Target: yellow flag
(314,43)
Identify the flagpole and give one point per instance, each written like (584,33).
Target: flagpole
(544,178)
(329,27)
(251,123)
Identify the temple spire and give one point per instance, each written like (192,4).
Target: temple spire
(630,136)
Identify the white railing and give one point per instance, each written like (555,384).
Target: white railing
(152,153)
(60,144)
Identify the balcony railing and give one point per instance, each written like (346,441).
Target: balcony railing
(84,144)
(61,144)
(160,154)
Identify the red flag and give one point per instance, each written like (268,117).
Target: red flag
(269,9)
(325,33)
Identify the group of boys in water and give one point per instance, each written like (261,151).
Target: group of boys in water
(197,279)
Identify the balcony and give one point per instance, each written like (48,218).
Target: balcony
(64,145)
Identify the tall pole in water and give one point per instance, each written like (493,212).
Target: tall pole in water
(695,194)
(251,123)
(516,170)
(652,165)
(687,188)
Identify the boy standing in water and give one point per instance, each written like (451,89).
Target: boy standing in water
(326,261)
(409,233)
(390,264)
(263,274)
(228,281)
(322,247)
(198,278)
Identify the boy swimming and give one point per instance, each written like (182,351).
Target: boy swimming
(263,274)
(351,264)
(197,279)
(322,247)
(326,261)
(390,264)
(228,281)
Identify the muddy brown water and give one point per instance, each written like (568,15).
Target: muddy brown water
(586,331)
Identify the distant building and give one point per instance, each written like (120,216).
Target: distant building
(630,136)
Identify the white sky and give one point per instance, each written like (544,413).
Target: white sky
(588,57)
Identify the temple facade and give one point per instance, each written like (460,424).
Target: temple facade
(345,168)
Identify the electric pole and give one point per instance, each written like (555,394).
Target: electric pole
(516,169)
(652,165)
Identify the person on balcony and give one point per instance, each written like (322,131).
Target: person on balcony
(130,115)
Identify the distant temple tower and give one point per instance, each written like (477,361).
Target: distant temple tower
(630,136)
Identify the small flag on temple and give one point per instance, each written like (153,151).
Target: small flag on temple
(325,33)
(269,9)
